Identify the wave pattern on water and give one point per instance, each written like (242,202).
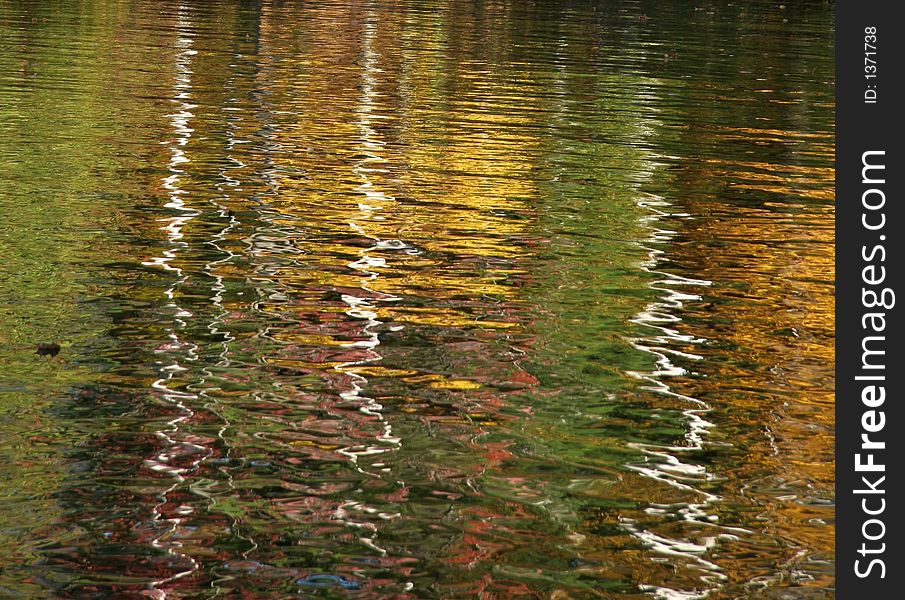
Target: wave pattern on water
(416,300)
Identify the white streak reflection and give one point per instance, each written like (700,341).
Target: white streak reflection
(663,462)
(364,307)
(176,458)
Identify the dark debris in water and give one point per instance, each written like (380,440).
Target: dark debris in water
(48,349)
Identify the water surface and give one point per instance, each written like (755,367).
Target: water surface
(416,299)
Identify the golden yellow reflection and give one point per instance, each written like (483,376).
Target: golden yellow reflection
(772,314)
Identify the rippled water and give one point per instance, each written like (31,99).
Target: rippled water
(416,299)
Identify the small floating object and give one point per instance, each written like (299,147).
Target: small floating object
(325,580)
(48,349)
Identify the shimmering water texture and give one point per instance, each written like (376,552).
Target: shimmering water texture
(415,299)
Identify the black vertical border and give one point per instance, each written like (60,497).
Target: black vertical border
(862,127)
